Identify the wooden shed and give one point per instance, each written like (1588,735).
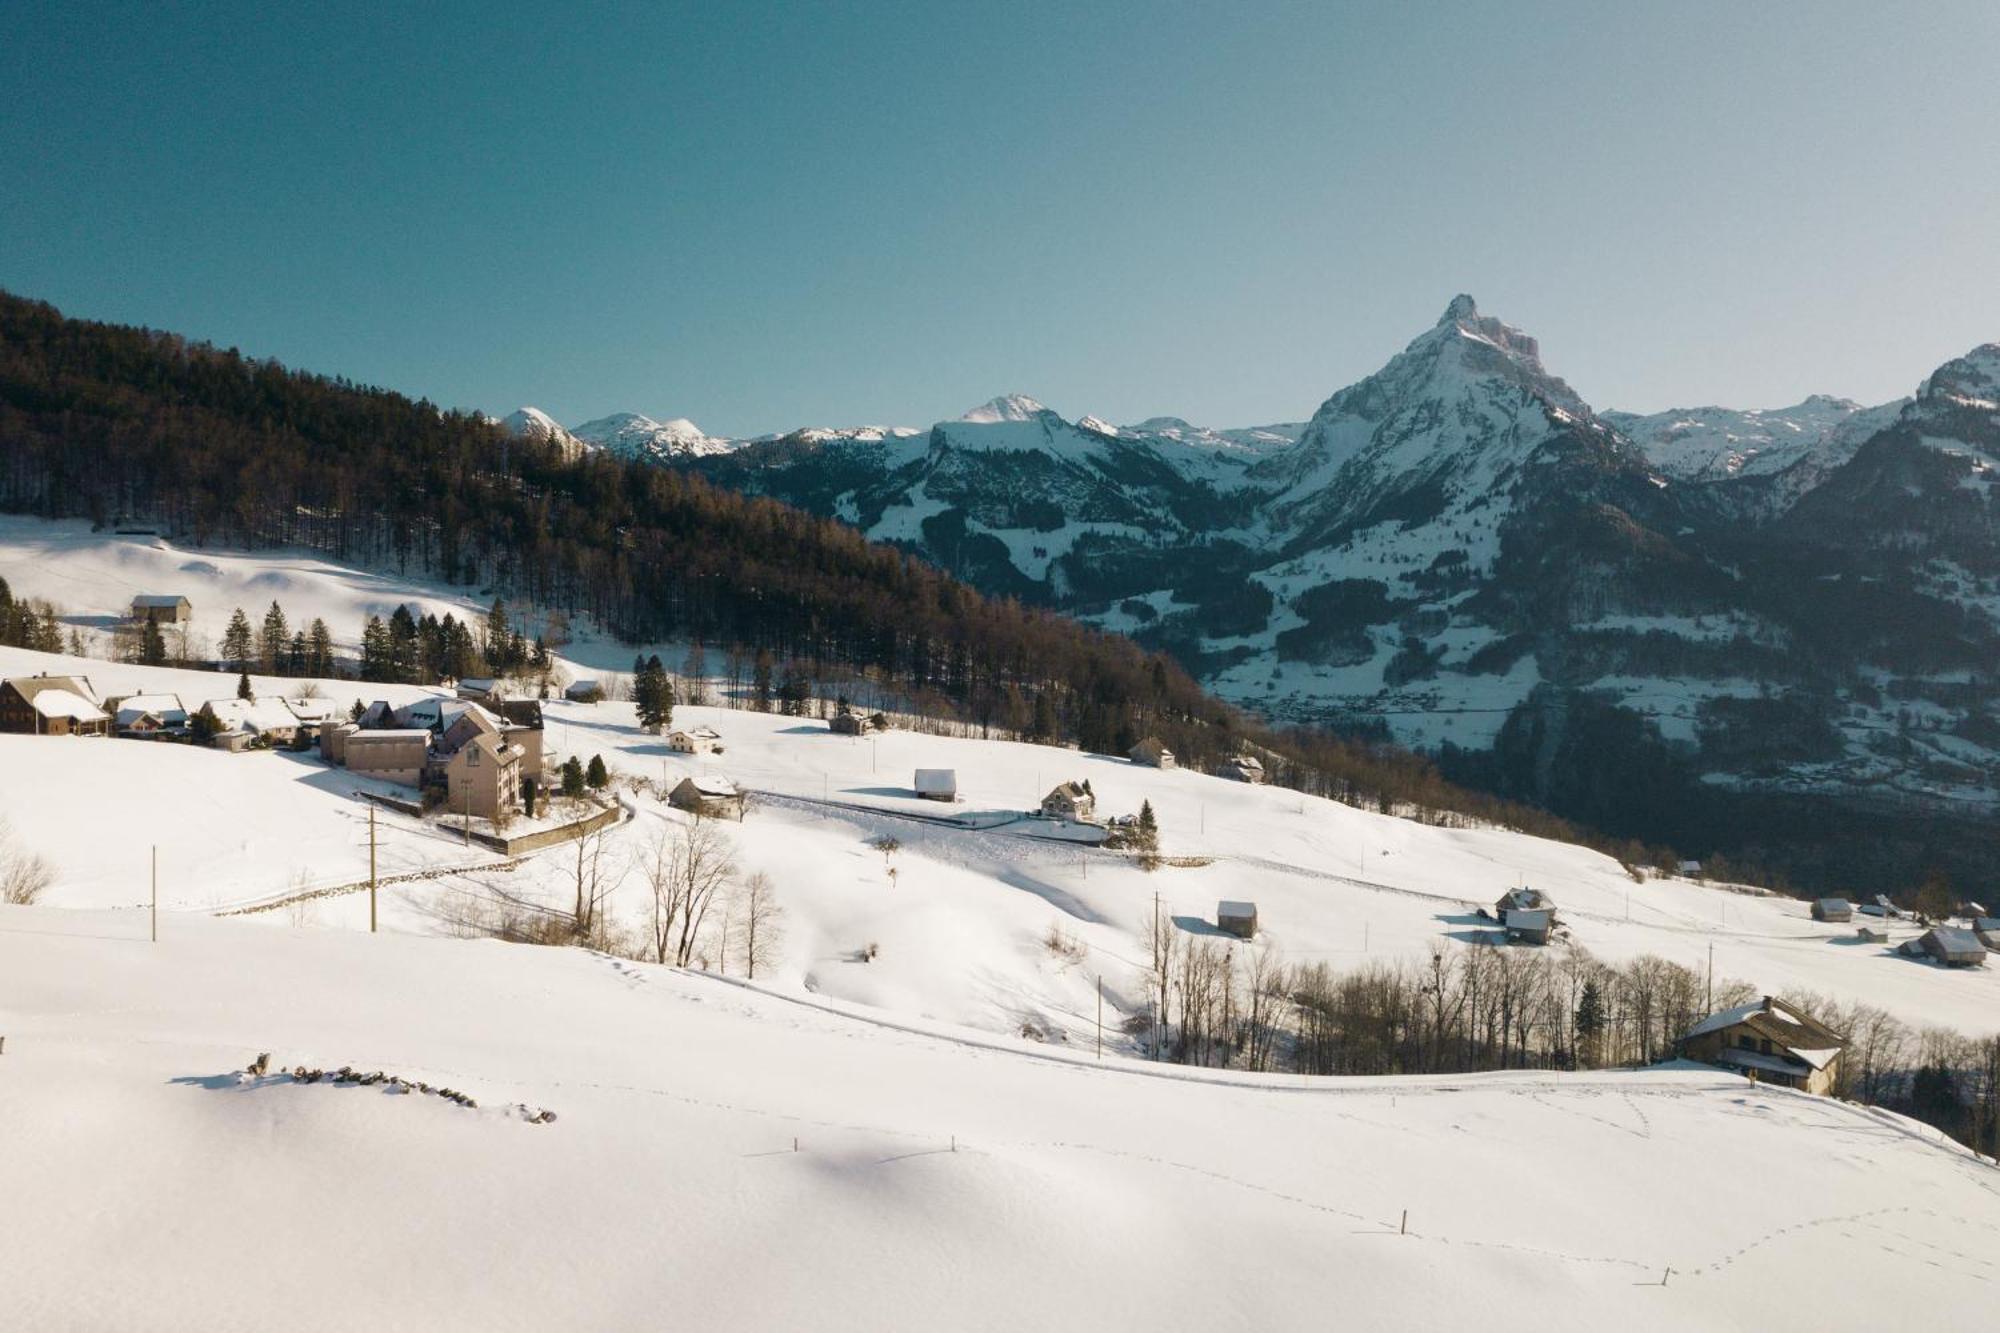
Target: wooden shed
(1948,945)
(162,608)
(711,797)
(1237,918)
(1832,909)
(937,784)
(1244,768)
(1152,752)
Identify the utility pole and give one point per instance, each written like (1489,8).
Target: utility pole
(465,810)
(1159,944)
(1708,996)
(1100,1015)
(156,893)
(371,869)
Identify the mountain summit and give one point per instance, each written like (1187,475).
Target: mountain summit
(1007,407)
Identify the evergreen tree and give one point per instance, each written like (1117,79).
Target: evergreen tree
(236,641)
(319,649)
(152,644)
(403,662)
(760,686)
(243,690)
(376,658)
(295,656)
(1590,1021)
(498,637)
(649,685)
(572,777)
(1148,839)
(596,776)
(272,637)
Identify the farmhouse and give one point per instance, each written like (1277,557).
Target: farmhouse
(847,722)
(1987,930)
(694,740)
(1526,915)
(483,777)
(1237,918)
(163,608)
(1244,768)
(1152,753)
(269,720)
(1832,909)
(1771,1041)
(1070,800)
(710,797)
(52,706)
(150,716)
(584,692)
(1948,945)
(480,689)
(937,784)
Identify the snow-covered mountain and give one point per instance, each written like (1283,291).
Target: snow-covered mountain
(531,423)
(629,435)
(1460,552)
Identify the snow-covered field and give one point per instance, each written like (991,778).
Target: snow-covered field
(947,1173)
(725,1157)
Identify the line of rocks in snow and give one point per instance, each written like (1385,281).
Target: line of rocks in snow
(261,1068)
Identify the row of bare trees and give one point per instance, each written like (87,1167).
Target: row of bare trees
(1483,1007)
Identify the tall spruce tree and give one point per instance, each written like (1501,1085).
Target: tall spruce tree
(236,641)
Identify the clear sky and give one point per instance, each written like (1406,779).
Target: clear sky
(767,217)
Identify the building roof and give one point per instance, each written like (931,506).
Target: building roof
(29,686)
(66,703)
(314,709)
(1834,905)
(365,736)
(1070,789)
(159,599)
(700,733)
(166,707)
(1789,1029)
(1234,907)
(713,785)
(1249,761)
(937,779)
(1152,745)
(1952,940)
(1526,899)
(253,715)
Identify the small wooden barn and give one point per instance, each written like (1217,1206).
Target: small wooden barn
(1152,752)
(937,784)
(710,797)
(1832,909)
(1236,918)
(162,608)
(1986,929)
(1769,1040)
(584,692)
(847,722)
(1948,945)
(1244,768)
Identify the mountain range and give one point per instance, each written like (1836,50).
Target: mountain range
(1680,623)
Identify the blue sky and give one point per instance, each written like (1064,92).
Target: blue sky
(763,218)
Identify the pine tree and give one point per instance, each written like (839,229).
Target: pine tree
(1590,1021)
(236,641)
(319,649)
(295,656)
(597,776)
(375,654)
(648,694)
(243,690)
(572,777)
(760,686)
(152,644)
(272,637)
(1149,837)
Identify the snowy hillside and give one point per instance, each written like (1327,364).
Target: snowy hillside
(531,423)
(753,1160)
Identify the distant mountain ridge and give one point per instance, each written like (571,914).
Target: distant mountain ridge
(1707,609)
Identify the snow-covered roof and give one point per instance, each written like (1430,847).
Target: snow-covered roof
(1729,1018)
(368,735)
(937,779)
(162,600)
(253,715)
(712,785)
(312,710)
(61,703)
(1234,907)
(702,733)
(166,707)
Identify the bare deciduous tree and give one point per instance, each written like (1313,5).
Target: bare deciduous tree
(687,867)
(24,875)
(759,925)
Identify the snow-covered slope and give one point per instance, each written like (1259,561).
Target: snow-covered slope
(751,1160)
